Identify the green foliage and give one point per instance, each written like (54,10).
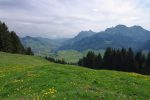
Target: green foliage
(9,41)
(107,60)
(90,60)
(98,61)
(29,77)
(147,64)
(29,51)
(17,46)
(56,60)
(121,60)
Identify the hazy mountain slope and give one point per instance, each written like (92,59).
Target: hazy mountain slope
(136,32)
(146,45)
(115,37)
(40,45)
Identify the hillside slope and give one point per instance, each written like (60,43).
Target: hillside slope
(26,77)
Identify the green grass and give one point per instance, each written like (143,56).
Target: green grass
(69,55)
(73,56)
(26,77)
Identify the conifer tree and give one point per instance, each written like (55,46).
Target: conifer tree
(140,59)
(17,46)
(107,60)
(90,60)
(147,65)
(130,60)
(98,61)
(10,42)
(29,51)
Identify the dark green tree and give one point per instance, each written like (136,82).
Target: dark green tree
(10,42)
(98,61)
(107,59)
(140,59)
(147,65)
(130,61)
(124,55)
(17,46)
(90,60)
(29,51)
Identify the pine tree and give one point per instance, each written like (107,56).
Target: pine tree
(119,60)
(107,60)
(17,46)
(147,65)
(114,59)
(10,42)
(29,51)
(98,61)
(140,59)
(130,61)
(90,60)
(124,55)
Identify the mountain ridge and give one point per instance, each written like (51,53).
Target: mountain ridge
(117,37)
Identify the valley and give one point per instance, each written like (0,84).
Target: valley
(72,49)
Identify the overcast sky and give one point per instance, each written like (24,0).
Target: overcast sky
(65,18)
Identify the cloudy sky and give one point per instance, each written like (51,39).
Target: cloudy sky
(65,18)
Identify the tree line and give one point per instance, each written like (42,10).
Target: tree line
(56,60)
(10,42)
(120,60)
(59,61)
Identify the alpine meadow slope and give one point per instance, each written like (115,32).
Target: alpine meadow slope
(30,77)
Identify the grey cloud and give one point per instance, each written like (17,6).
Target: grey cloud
(65,18)
(9,4)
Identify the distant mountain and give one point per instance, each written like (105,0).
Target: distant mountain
(136,32)
(80,36)
(115,37)
(42,46)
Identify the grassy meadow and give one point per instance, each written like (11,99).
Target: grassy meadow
(33,78)
(73,56)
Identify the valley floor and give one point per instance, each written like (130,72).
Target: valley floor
(27,77)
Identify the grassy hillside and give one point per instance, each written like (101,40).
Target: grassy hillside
(73,56)
(25,77)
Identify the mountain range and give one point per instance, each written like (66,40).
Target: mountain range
(119,36)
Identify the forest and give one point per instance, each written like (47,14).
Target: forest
(120,60)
